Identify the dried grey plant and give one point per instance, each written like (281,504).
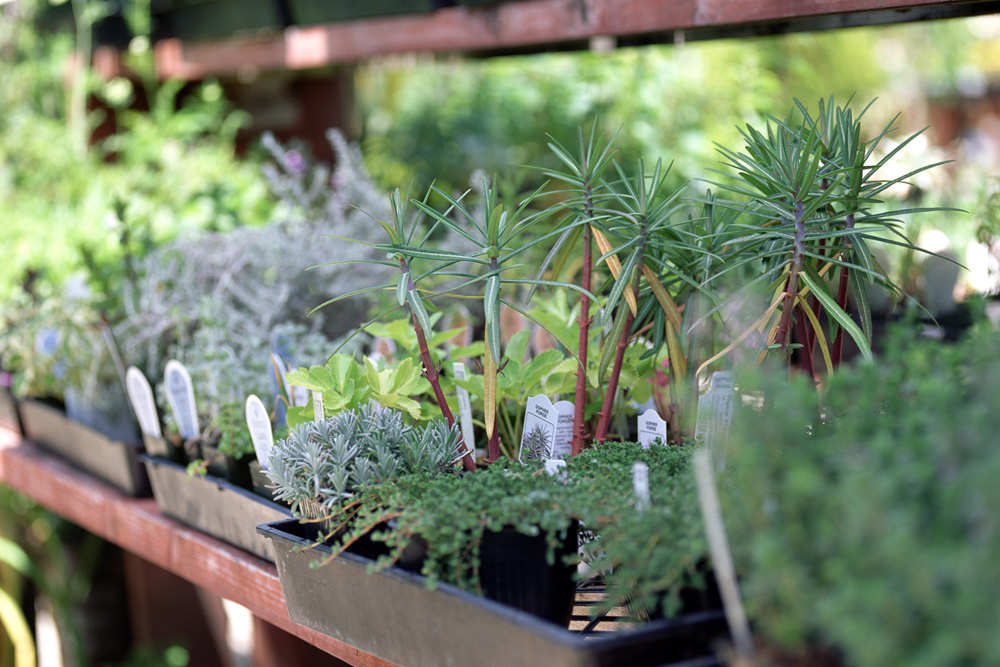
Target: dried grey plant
(251,279)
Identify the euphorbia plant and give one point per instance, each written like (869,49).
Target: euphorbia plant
(811,190)
(401,251)
(501,238)
(583,178)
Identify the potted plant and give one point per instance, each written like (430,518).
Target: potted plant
(65,374)
(664,299)
(464,524)
(859,518)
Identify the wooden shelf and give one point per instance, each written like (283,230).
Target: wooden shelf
(136,525)
(538,25)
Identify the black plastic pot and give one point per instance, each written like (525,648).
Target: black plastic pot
(232,470)
(393,615)
(514,570)
(170,448)
(111,461)
(259,481)
(213,505)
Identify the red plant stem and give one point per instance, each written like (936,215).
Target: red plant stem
(601,434)
(432,375)
(838,343)
(807,342)
(609,397)
(583,321)
(494,446)
(792,284)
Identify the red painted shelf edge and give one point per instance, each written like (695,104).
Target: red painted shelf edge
(138,526)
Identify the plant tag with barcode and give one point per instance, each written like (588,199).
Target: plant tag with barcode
(180,396)
(140,395)
(715,415)
(538,436)
(464,408)
(259,424)
(563,445)
(652,428)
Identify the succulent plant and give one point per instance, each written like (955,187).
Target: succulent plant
(321,464)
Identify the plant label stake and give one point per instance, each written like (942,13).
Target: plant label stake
(715,415)
(180,396)
(538,435)
(722,557)
(464,407)
(556,468)
(640,484)
(140,395)
(259,424)
(563,445)
(317,399)
(652,429)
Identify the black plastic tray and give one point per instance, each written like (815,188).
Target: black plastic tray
(213,505)
(8,411)
(112,461)
(393,615)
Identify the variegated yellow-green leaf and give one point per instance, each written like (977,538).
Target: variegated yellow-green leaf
(663,297)
(615,266)
(678,360)
(820,335)
(489,388)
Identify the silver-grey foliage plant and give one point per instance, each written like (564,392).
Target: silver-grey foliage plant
(321,464)
(252,279)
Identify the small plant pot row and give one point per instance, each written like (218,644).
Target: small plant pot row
(213,505)
(394,615)
(111,461)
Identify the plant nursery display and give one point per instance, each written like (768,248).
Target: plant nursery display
(573,336)
(680,286)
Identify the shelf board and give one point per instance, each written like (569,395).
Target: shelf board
(138,526)
(537,25)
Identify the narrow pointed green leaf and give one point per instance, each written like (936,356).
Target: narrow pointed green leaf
(843,319)
(610,346)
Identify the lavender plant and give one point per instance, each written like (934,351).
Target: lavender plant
(320,465)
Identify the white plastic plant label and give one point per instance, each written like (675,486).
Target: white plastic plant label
(180,396)
(652,428)
(140,395)
(640,484)
(317,400)
(538,435)
(563,445)
(259,424)
(556,468)
(464,407)
(715,415)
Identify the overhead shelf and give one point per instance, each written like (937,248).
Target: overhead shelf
(536,25)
